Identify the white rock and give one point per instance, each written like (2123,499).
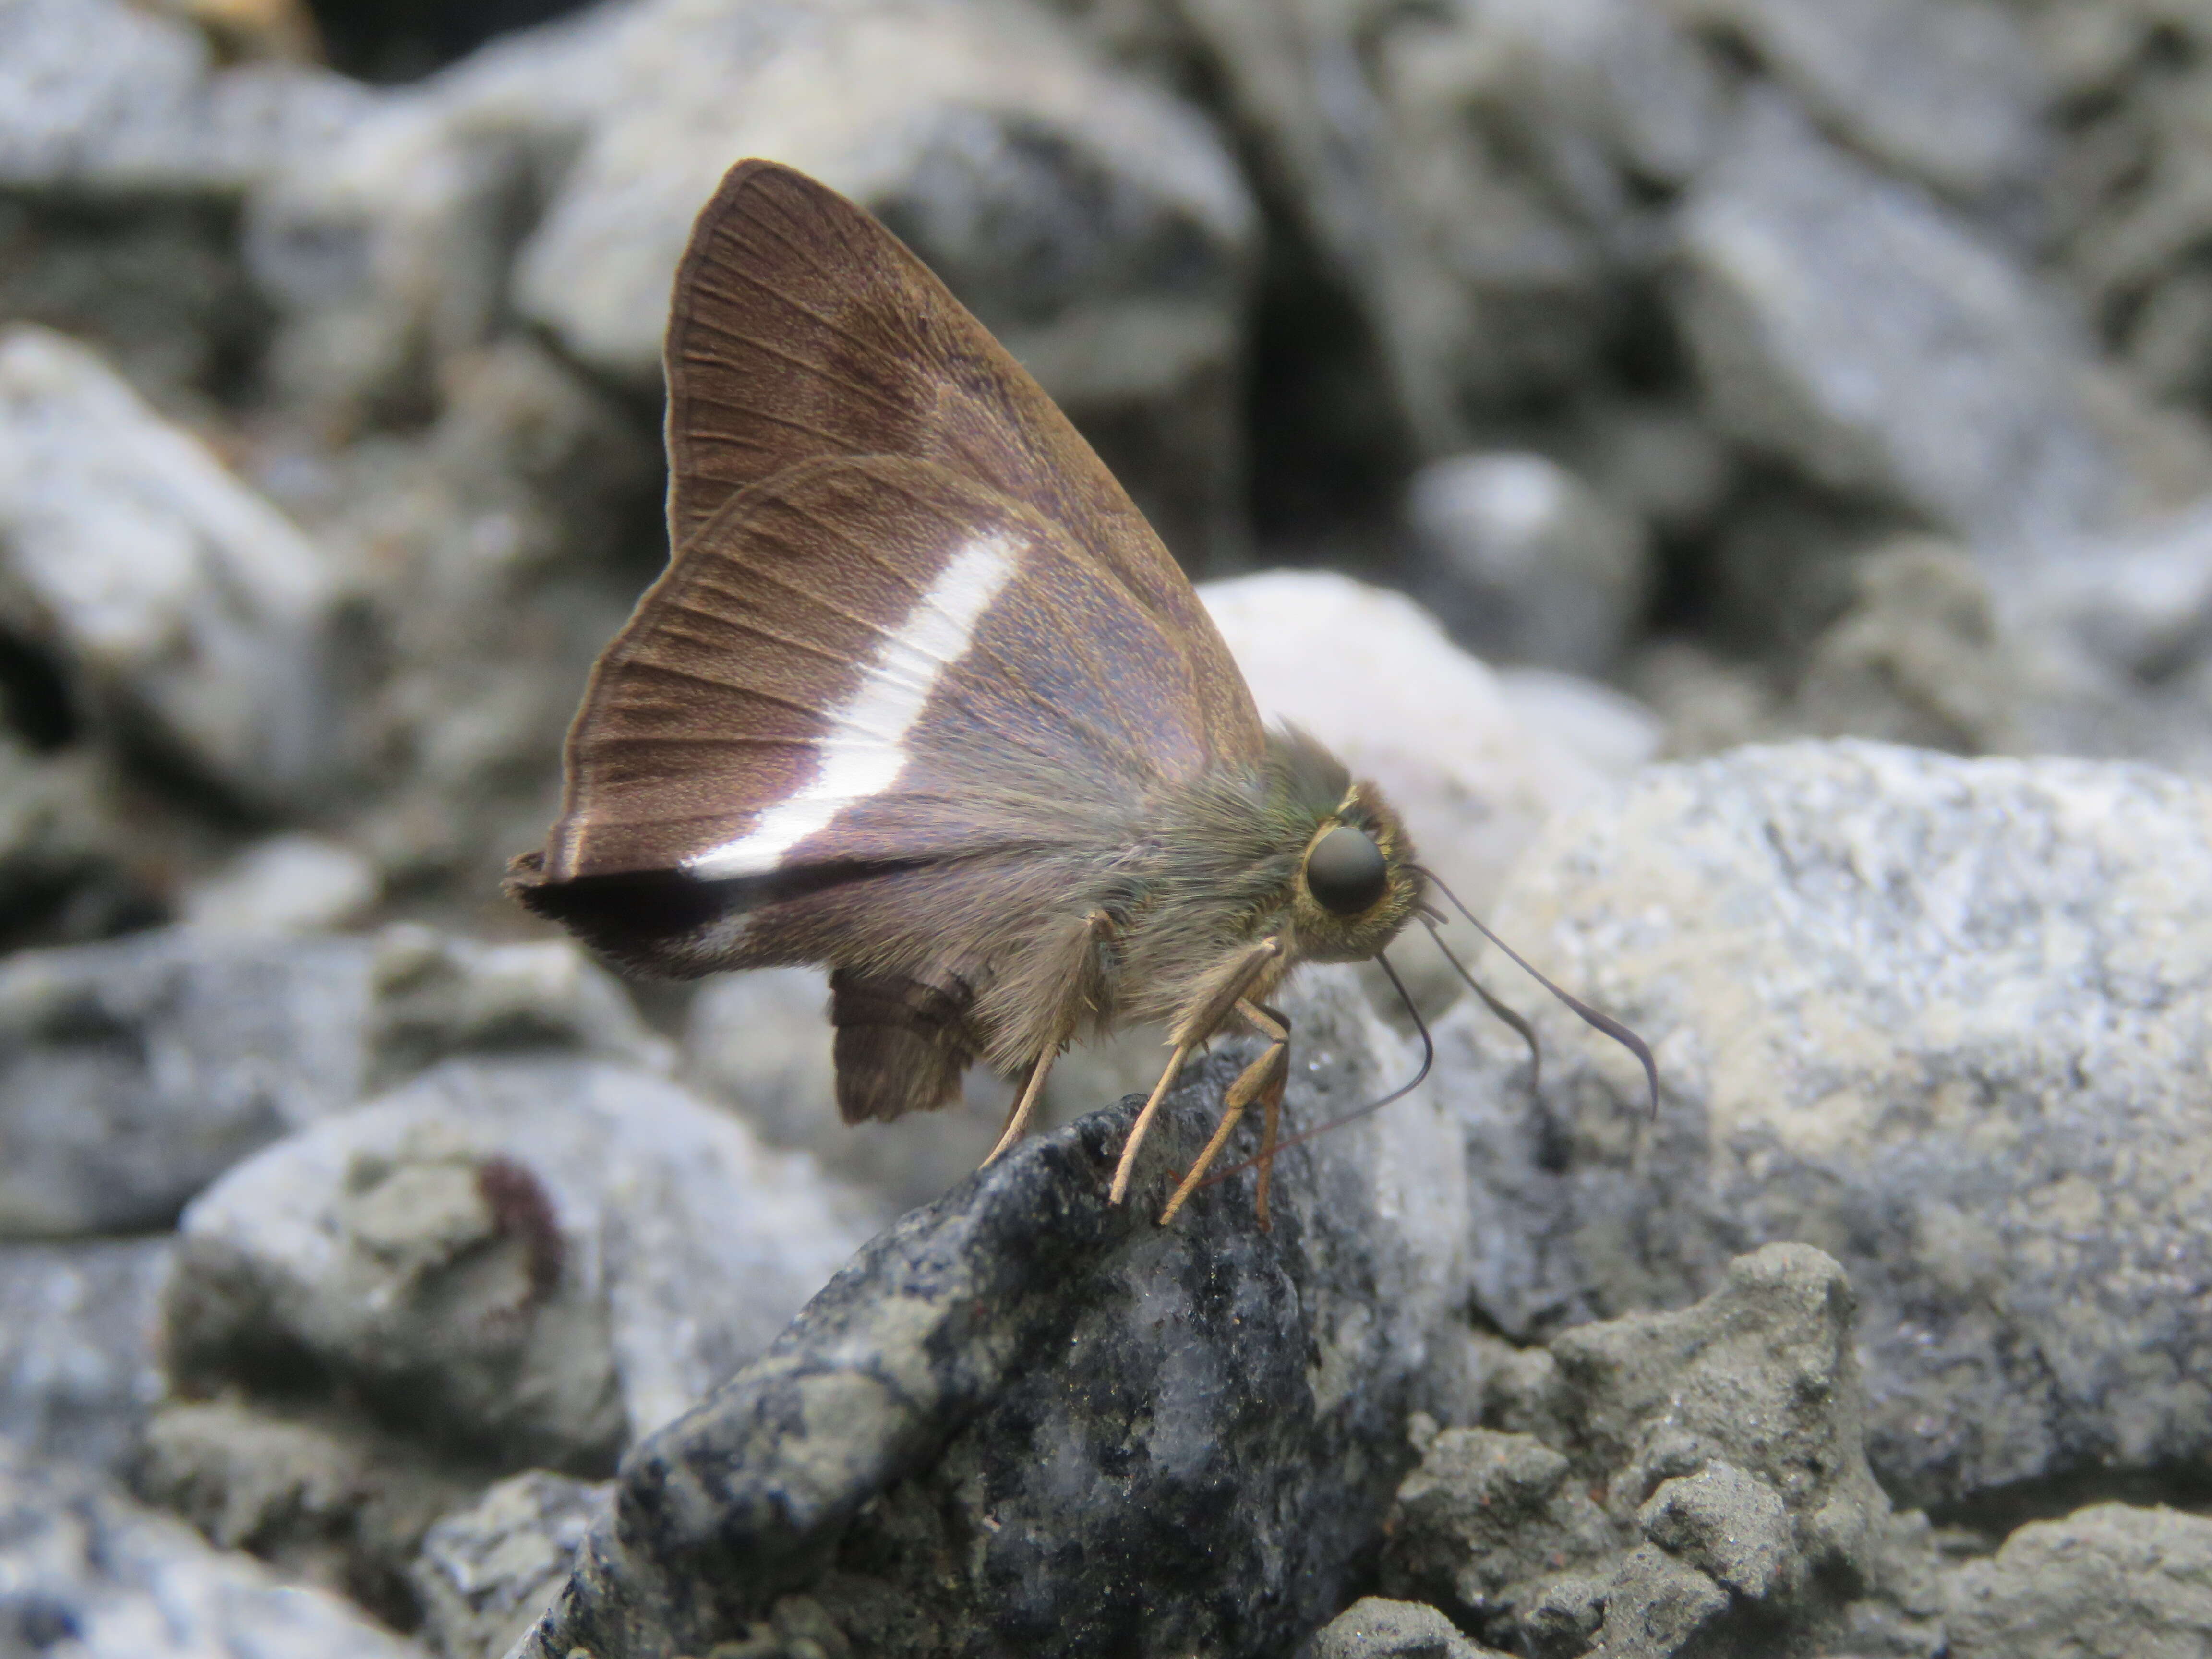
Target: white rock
(167,586)
(295,883)
(1371,675)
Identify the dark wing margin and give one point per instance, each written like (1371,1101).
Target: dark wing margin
(802,329)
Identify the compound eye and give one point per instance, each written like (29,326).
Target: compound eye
(1346,871)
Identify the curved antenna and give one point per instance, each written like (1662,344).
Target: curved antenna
(1511,1016)
(1593,1018)
(1428,1059)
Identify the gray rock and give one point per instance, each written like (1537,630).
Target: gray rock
(531,1260)
(184,605)
(1477,177)
(98,97)
(78,1373)
(1726,1435)
(324,1499)
(486,1572)
(1019,1403)
(64,866)
(132,1073)
(1373,1628)
(87,1573)
(1950,94)
(2109,1582)
(1846,324)
(1521,560)
(1943,1017)
(1918,658)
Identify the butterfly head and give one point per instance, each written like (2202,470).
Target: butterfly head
(1357,884)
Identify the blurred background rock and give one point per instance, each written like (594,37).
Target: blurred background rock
(1541,387)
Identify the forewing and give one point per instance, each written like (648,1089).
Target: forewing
(872,663)
(801,330)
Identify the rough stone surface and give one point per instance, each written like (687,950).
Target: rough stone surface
(85,1573)
(1374,1628)
(324,1499)
(486,1572)
(1683,1482)
(1524,561)
(78,1372)
(1022,1418)
(290,883)
(1944,1019)
(2109,1582)
(134,1073)
(182,603)
(64,869)
(530,1260)
(1845,323)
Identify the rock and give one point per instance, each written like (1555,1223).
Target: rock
(533,1260)
(1373,1628)
(486,1572)
(326,1499)
(291,883)
(87,1572)
(1372,675)
(1949,94)
(1521,560)
(1480,179)
(1728,1434)
(133,1074)
(1917,660)
(2109,1582)
(98,97)
(77,1369)
(1943,1017)
(184,605)
(1021,1419)
(65,871)
(1848,326)
(1097,225)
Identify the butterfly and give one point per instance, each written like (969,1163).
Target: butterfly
(922,698)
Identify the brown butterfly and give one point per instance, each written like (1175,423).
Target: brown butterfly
(922,697)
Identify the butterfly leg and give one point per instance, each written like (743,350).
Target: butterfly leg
(1261,1081)
(1143,1125)
(1270,1104)
(1017,1121)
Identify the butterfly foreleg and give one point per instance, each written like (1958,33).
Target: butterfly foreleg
(1262,1080)
(1197,1024)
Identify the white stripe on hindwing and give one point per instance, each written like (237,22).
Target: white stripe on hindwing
(864,749)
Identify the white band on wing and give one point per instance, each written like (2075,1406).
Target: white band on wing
(864,749)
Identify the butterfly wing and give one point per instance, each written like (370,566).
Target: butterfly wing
(915,666)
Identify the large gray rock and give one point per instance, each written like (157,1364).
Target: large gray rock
(1947,1019)
(89,1574)
(486,1572)
(1374,1628)
(532,1260)
(1949,93)
(1095,224)
(1021,1420)
(1847,325)
(132,1073)
(184,605)
(78,1370)
(2109,1582)
(1691,1481)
